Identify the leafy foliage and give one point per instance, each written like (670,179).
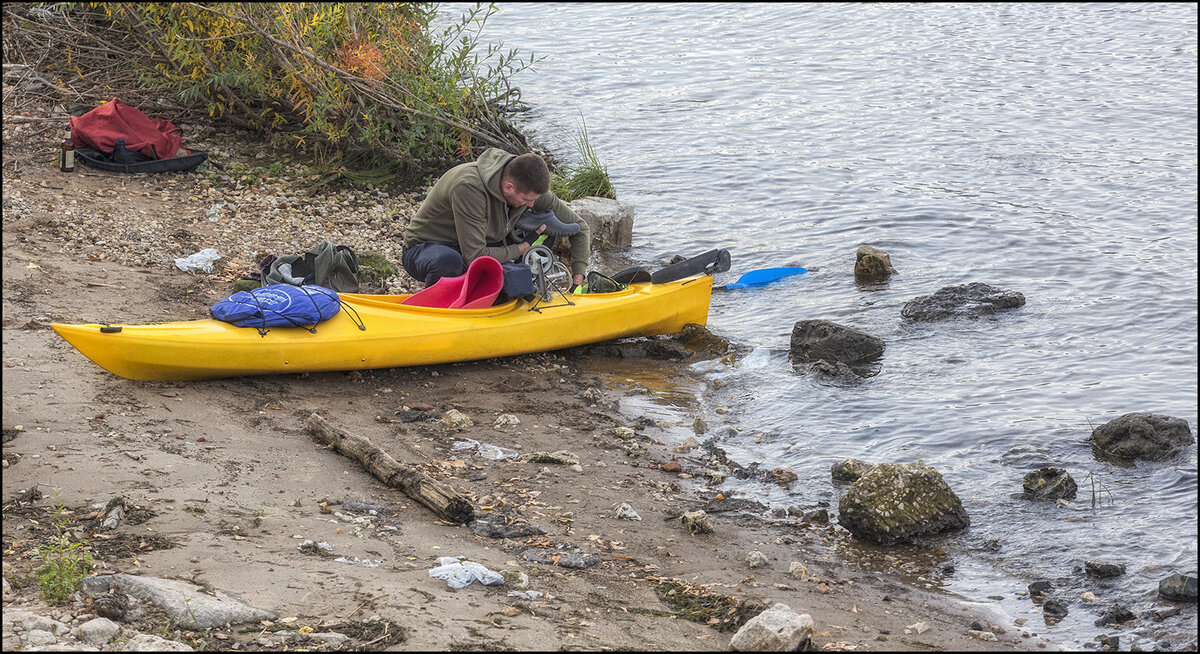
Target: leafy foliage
(64,562)
(335,77)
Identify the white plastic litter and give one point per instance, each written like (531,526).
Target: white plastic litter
(460,574)
(529,594)
(485,450)
(201,261)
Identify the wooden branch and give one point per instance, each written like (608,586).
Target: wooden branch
(447,503)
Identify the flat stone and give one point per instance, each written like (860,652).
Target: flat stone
(97,630)
(149,643)
(333,639)
(38,637)
(778,629)
(561,457)
(1103,569)
(561,555)
(188,605)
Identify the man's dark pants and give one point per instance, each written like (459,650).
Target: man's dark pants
(430,261)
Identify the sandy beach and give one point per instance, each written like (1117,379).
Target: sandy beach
(223,483)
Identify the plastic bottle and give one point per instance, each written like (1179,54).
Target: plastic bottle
(66,156)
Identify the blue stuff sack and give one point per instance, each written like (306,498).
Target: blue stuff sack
(278,305)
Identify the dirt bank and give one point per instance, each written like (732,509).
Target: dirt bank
(223,482)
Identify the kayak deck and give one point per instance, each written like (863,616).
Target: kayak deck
(394,334)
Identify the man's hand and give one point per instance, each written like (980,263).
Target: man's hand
(523,247)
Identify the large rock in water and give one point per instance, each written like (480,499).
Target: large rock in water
(1049,483)
(1141,436)
(872,264)
(778,629)
(1178,588)
(893,503)
(611,222)
(817,340)
(965,300)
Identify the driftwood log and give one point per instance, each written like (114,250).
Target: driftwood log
(443,500)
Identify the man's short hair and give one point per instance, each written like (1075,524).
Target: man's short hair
(529,172)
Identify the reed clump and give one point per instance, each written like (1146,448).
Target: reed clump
(589,178)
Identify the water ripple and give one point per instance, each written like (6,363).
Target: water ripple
(1046,149)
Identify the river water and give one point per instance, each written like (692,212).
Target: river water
(1046,149)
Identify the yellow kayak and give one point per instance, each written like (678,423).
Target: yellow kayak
(395,334)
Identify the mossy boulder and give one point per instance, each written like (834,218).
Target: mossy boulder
(373,270)
(894,503)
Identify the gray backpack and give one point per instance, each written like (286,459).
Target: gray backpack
(334,267)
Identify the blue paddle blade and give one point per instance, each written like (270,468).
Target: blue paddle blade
(763,276)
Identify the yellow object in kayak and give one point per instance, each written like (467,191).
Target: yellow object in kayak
(395,334)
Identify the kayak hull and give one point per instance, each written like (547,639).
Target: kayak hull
(395,335)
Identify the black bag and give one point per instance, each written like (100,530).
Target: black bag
(518,280)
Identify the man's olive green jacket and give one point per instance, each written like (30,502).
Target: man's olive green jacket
(466,207)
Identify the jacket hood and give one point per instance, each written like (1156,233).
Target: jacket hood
(490,165)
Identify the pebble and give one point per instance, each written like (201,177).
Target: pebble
(138,238)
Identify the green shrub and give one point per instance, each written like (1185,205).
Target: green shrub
(64,562)
(368,81)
